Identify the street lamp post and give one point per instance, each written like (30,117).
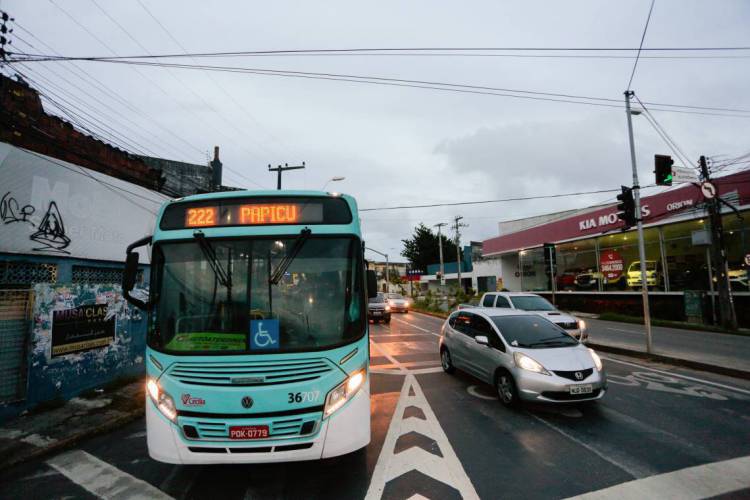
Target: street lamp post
(332,179)
(641,243)
(440,246)
(386,263)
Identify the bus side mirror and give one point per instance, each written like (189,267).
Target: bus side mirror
(131,272)
(372,284)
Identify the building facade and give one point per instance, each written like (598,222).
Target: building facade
(586,252)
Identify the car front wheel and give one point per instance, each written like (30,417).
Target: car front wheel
(506,389)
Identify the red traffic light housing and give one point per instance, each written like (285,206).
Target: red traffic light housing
(663,169)
(626,207)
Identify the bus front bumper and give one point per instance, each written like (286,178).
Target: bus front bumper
(345,431)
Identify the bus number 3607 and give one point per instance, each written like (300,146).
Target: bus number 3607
(301,397)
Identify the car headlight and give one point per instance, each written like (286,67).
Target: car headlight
(528,363)
(162,400)
(387,308)
(343,392)
(581,324)
(597,360)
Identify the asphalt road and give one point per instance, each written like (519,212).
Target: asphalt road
(720,349)
(443,436)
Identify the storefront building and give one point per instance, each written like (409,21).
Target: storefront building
(593,264)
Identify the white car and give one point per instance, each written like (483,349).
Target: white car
(534,303)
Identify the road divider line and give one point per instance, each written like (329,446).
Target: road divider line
(634,470)
(415,326)
(673,374)
(102,479)
(626,331)
(702,481)
(390,358)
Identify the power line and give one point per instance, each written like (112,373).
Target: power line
(483,202)
(663,133)
(442,86)
(217,84)
(640,46)
(106,91)
(403,49)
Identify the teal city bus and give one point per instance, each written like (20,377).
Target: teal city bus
(258,346)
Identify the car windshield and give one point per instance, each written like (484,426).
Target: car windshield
(636,266)
(396,296)
(219,295)
(533,332)
(376,299)
(531,303)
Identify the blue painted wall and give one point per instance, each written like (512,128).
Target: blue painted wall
(64,377)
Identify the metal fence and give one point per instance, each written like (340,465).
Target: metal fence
(15,327)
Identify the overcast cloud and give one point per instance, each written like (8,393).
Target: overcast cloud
(403,145)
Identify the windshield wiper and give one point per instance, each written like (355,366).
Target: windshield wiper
(208,251)
(286,261)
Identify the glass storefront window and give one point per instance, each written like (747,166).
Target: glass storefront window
(737,241)
(534,275)
(577,267)
(620,262)
(686,256)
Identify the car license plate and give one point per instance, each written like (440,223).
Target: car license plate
(248,432)
(581,389)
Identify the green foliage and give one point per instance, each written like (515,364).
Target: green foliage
(422,248)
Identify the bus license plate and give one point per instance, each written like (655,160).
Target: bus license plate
(581,389)
(248,432)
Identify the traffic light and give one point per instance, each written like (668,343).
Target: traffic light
(626,207)
(663,169)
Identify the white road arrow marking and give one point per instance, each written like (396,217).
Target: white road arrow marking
(447,469)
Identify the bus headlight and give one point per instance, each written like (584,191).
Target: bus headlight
(344,392)
(162,400)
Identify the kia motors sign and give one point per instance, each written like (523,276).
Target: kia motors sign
(612,265)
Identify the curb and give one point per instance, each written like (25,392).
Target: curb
(686,363)
(71,441)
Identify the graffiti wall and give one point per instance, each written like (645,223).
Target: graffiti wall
(83,336)
(51,207)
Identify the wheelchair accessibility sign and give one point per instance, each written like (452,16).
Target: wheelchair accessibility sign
(264,334)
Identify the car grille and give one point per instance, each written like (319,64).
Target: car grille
(565,396)
(572,374)
(277,429)
(250,373)
(571,325)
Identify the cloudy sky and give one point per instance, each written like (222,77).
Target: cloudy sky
(402,145)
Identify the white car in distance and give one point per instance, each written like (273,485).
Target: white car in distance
(532,302)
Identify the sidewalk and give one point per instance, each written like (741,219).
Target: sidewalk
(709,351)
(42,432)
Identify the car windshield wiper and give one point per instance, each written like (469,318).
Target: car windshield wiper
(286,261)
(208,251)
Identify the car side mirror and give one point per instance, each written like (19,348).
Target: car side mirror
(372,284)
(482,340)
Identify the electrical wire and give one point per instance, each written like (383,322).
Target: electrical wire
(394,50)
(446,87)
(640,46)
(663,133)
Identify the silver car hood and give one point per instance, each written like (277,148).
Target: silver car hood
(400,302)
(556,316)
(561,358)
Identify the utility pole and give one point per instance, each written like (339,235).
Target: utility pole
(727,316)
(440,246)
(281,169)
(457,225)
(639,219)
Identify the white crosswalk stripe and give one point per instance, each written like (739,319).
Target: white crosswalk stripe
(102,479)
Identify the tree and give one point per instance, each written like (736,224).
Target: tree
(422,248)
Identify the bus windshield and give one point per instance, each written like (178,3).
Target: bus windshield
(228,296)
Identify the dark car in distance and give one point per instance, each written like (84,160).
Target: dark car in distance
(378,309)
